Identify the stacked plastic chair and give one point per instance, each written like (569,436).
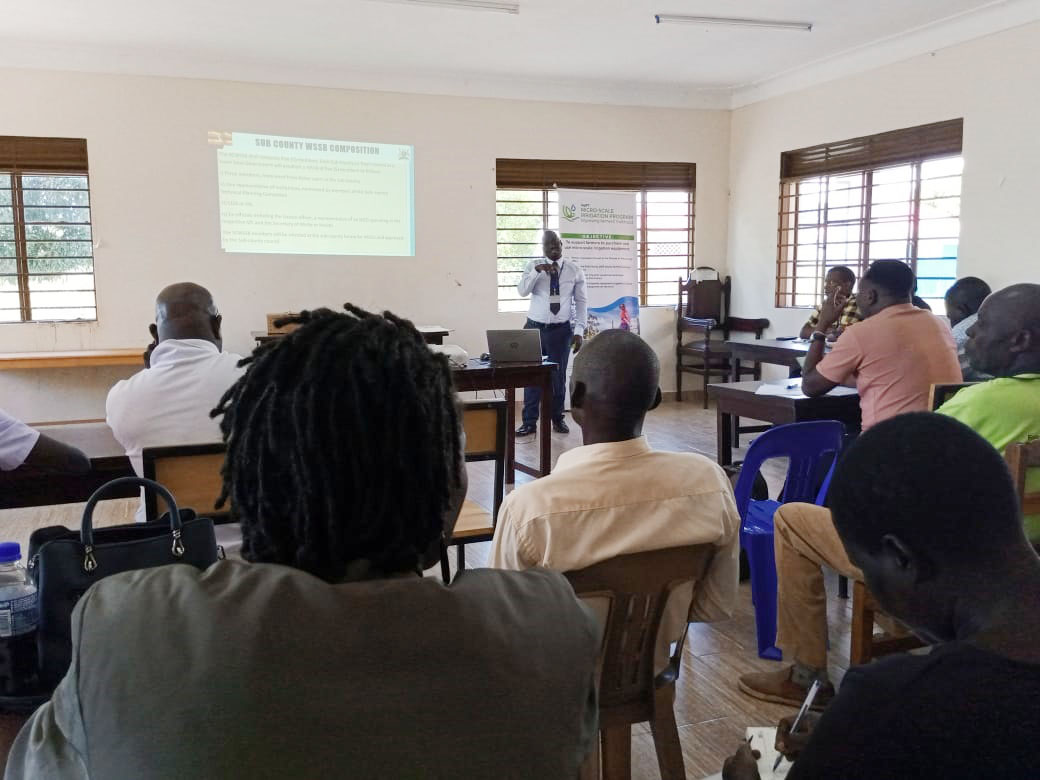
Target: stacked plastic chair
(805,444)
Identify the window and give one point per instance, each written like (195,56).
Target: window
(46,249)
(893,196)
(527,205)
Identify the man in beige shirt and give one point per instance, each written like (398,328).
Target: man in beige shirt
(615,495)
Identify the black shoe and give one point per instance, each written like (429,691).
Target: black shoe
(560,426)
(526,429)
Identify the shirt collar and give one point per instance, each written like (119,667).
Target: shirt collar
(612,450)
(172,350)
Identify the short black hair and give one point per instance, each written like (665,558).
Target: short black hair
(621,370)
(968,292)
(844,272)
(892,276)
(931,481)
(343,443)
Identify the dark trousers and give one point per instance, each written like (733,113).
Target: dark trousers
(556,344)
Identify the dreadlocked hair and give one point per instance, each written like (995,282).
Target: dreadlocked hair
(342,444)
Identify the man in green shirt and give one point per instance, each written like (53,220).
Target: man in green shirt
(1005,342)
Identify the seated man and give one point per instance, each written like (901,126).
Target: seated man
(926,508)
(615,495)
(839,308)
(22,445)
(330,654)
(894,356)
(963,300)
(185,374)
(1005,342)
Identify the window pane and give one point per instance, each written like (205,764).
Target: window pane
(942,166)
(57,232)
(54,182)
(56,197)
(60,299)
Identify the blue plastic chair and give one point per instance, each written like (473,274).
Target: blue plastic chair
(805,444)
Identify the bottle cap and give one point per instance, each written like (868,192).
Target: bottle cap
(10,552)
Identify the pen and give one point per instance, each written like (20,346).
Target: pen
(801,714)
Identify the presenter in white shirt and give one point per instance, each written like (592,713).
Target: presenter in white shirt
(559,309)
(185,375)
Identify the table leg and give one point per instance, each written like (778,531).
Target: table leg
(510,435)
(545,427)
(734,369)
(724,430)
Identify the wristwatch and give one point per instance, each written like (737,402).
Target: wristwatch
(819,336)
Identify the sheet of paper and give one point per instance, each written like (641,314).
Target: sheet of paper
(792,388)
(762,739)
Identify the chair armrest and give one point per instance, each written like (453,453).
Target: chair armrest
(747,325)
(697,326)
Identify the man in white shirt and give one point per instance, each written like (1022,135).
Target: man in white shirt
(559,309)
(615,495)
(22,445)
(963,300)
(186,374)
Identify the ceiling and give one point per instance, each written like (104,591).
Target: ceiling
(608,51)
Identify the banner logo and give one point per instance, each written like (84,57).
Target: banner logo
(570,213)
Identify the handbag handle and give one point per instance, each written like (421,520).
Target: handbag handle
(86,531)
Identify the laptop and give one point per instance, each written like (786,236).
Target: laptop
(515,346)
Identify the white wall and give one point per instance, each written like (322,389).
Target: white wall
(991,82)
(154,195)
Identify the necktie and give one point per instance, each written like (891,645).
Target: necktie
(554,289)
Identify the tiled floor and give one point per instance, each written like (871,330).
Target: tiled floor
(711,711)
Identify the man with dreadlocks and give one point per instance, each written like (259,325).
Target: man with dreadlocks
(329,654)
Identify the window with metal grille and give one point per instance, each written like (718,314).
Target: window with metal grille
(527,206)
(892,196)
(46,247)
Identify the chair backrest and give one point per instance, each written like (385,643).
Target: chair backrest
(637,586)
(191,472)
(941,393)
(704,299)
(1022,456)
(805,444)
(485,425)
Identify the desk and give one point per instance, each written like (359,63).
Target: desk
(432,334)
(510,376)
(29,487)
(774,351)
(132,356)
(738,399)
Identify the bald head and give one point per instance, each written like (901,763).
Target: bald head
(1005,339)
(613,385)
(186,311)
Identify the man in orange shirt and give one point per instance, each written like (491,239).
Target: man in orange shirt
(894,355)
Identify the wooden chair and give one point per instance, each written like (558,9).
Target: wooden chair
(485,426)
(704,312)
(192,473)
(865,645)
(1020,457)
(941,393)
(637,587)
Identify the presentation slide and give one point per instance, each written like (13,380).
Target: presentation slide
(313,196)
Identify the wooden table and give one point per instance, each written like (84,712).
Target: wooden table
(478,375)
(432,334)
(131,356)
(780,352)
(738,399)
(30,487)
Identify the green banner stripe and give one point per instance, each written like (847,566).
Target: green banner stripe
(609,236)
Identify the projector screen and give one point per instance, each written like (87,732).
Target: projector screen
(311,196)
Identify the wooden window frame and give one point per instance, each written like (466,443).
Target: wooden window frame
(639,178)
(865,155)
(22,156)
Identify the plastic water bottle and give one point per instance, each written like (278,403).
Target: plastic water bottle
(19,618)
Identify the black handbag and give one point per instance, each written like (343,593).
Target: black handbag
(64,564)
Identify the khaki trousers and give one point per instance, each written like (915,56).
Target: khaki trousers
(805,540)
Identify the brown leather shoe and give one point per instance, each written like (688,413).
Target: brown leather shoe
(778,687)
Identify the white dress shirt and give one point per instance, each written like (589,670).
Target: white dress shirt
(573,301)
(605,500)
(169,403)
(16,441)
